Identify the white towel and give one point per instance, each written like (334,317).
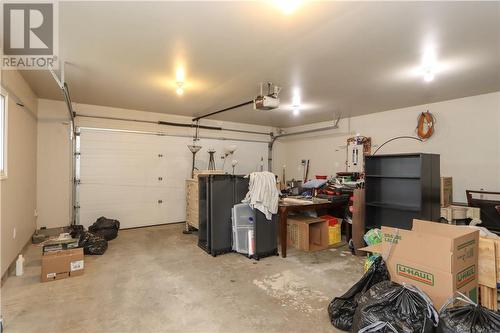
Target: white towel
(262,193)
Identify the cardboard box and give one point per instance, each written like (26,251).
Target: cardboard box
(438,258)
(307,233)
(62,264)
(59,245)
(446,191)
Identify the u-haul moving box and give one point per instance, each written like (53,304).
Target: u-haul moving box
(438,258)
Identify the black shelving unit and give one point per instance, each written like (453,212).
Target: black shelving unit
(400,188)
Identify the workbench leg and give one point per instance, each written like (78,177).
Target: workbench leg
(283,231)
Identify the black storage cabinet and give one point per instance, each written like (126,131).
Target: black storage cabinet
(400,188)
(217,195)
(265,236)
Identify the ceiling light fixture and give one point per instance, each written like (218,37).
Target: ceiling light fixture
(428,75)
(296,98)
(287,6)
(179,80)
(429,64)
(296,101)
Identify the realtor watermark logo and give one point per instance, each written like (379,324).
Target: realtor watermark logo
(30,34)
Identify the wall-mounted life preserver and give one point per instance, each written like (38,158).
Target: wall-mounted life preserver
(425,127)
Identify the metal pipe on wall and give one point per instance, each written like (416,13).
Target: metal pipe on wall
(164,134)
(276,137)
(67,98)
(174,124)
(65,90)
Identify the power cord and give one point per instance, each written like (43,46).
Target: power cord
(396,138)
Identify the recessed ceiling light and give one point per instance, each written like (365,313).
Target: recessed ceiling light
(428,75)
(287,6)
(179,80)
(429,64)
(296,98)
(296,101)
(179,74)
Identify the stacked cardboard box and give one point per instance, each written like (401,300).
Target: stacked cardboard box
(438,258)
(446,191)
(58,265)
(307,233)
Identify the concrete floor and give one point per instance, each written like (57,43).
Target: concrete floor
(157,280)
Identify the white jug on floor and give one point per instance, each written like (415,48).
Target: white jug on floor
(20,265)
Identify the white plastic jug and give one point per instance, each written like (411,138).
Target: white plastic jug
(20,265)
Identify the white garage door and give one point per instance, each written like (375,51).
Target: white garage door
(139,179)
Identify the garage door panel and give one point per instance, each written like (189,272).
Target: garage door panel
(122,162)
(133,206)
(119,174)
(175,208)
(125,175)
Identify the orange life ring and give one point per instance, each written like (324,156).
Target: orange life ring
(425,127)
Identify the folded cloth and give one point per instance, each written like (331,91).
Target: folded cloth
(262,193)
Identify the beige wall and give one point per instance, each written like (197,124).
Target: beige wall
(467,136)
(54,165)
(18,197)
(54,147)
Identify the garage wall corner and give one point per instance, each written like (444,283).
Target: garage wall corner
(18,190)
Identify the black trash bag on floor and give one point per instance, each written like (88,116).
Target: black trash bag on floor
(379,327)
(467,318)
(75,230)
(341,309)
(107,228)
(92,244)
(406,308)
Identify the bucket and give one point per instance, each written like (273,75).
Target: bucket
(334,235)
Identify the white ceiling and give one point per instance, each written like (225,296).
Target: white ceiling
(345,57)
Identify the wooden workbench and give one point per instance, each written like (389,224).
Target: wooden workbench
(285,208)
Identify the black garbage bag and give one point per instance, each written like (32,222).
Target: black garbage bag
(341,309)
(379,327)
(75,230)
(468,317)
(106,228)
(406,308)
(92,244)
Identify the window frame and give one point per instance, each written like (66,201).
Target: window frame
(4,172)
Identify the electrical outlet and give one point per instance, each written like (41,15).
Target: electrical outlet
(14,233)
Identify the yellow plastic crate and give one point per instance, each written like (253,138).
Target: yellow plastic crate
(334,236)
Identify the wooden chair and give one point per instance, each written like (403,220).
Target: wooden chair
(489,205)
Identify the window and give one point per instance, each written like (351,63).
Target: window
(3,134)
